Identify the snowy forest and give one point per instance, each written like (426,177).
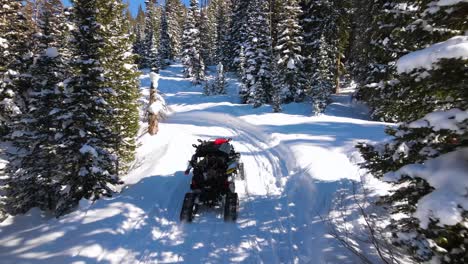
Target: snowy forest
(72,79)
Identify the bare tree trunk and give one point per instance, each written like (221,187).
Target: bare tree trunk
(337,76)
(152,117)
(117,147)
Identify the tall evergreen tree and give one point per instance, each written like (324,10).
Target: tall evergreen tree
(289,44)
(151,42)
(221,15)
(258,54)
(175,12)
(361,20)
(16,54)
(220,80)
(121,76)
(397,29)
(35,171)
(322,34)
(88,165)
(430,100)
(237,34)
(164,51)
(380,46)
(205,25)
(194,66)
(139,33)
(321,83)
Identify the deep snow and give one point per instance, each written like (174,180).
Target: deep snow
(294,161)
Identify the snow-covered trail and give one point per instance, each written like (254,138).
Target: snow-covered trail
(294,164)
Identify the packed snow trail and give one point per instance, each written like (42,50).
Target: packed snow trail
(294,163)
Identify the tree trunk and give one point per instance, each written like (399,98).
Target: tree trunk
(152,117)
(337,76)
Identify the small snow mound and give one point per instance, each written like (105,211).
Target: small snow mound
(51,52)
(456,47)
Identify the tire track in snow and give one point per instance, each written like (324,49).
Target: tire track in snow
(280,221)
(270,166)
(148,239)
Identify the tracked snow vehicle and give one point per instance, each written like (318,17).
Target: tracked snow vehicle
(215,166)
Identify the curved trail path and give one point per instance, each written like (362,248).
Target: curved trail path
(294,163)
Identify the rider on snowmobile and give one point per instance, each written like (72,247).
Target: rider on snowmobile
(215,159)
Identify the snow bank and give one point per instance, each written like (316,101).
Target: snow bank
(439,120)
(448,174)
(456,47)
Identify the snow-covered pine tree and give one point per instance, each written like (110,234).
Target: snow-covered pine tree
(87,142)
(380,47)
(220,80)
(258,54)
(139,33)
(311,24)
(413,95)
(152,27)
(152,58)
(361,19)
(121,76)
(426,162)
(204,24)
(35,171)
(241,66)
(175,12)
(321,81)
(16,56)
(207,88)
(289,43)
(426,159)
(194,66)
(342,13)
(211,28)
(325,30)
(221,11)
(237,35)
(164,51)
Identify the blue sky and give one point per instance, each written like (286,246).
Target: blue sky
(133,4)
